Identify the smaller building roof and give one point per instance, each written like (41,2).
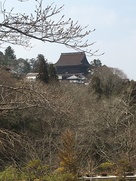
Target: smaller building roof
(73,77)
(32,74)
(82,77)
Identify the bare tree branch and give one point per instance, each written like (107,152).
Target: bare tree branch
(22,98)
(17,28)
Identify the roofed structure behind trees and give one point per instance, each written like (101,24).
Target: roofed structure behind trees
(72,64)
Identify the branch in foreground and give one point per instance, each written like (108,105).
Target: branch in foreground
(21,28)
(25,98)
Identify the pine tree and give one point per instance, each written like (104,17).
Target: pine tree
(10,57)
(52,73)
(42,69)
(9,53)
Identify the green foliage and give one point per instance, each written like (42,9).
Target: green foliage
(9,174)
(32,171)
(22,66)
(97,86)
(9,58)
(106,167)
(42,69)
(2,59)
(95,63)
(105,82)
(47,72)
(35,169)
(61,177)
(9,53)
(52,73)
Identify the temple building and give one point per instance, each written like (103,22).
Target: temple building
(74,65)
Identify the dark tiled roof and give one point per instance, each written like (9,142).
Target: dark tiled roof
(68,59)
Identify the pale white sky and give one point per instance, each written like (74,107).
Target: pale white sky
(115,24)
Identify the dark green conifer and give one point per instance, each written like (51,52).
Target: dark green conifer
(9,53)
(42,69)
(52,73)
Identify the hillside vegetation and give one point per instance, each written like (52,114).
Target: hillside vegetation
(33,118)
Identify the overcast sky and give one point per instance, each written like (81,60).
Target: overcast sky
(115,24)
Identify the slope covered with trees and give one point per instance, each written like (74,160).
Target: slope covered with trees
(34,116)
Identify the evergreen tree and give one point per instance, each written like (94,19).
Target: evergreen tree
(2,59)
(52,73)
(32,63)
(22,66)
(42,69)
(94,66)
(10,57)
(97,86)
(9,53)
(96,63)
